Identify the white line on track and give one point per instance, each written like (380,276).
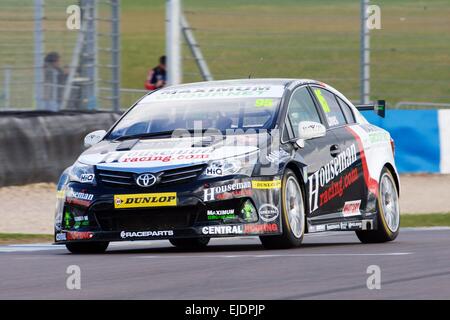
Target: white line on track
(29,247)
(288,255)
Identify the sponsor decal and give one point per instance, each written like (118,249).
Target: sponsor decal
(355,225)
(344,225)
(87,178)
(351,208)
(337,188)
(225,191)
(233,194)
(323,102)
(79,198)
(80,221)
(145,234)
(145,180)
(379,136)
(167,155)
(261,103)
(80,195)
(214,170)
(327,173)
(333,226)
(248,212)
(318,228)
(268,212)
(145,200)
(371,183)
(218,93)
(374,134)
(81,218)
(67,219)
(61,237)
(332,121)
(261,228)
(272,184)
(223,230)
(220,214)
(78,235)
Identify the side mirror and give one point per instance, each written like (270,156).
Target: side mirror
(309,130)
(94,138)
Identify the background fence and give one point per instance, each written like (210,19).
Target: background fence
(46,65)
(254,38)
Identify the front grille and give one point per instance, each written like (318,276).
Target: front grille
(124,179)
(116,178)
(181,174)
(145,220)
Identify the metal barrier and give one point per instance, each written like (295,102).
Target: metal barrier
(37,146)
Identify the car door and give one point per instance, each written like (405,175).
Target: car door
(347,165)
(315,153)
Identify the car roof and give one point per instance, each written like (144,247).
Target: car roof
(240,82)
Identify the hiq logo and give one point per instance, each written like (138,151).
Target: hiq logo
(73,21)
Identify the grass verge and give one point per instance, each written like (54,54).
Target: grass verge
(19,238)
(425,220)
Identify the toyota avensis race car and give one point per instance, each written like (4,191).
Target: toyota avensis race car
(273,158)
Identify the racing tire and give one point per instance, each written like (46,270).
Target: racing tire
(87,247)
(190,243)
(292,215)
(388,212)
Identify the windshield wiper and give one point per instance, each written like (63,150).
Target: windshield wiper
(144,135)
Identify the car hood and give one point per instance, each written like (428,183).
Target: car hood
(159,154)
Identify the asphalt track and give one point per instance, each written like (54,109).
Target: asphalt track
(327,266)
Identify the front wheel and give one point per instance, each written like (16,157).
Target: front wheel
(388,212)
(190,243)
(292,215)
(87,247)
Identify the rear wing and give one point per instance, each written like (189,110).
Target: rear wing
(379,107)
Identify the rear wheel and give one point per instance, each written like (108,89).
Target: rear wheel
(388,212)
(292,215)
(190,243)
(87,247)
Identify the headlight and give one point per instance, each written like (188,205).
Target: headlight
(230,166)
(82,173)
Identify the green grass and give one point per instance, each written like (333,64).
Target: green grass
(301,39)
(10,238)
(425,220)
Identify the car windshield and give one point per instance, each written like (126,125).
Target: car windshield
(224,109)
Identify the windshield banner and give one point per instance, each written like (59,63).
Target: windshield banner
(264,91)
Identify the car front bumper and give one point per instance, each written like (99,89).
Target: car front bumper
(208,208)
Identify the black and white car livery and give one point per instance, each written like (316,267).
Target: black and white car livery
(275,158)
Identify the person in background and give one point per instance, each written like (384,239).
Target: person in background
(54,81)
(157,76)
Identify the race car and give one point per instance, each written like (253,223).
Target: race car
(274,158)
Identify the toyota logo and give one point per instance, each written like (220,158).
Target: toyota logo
(145,180)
